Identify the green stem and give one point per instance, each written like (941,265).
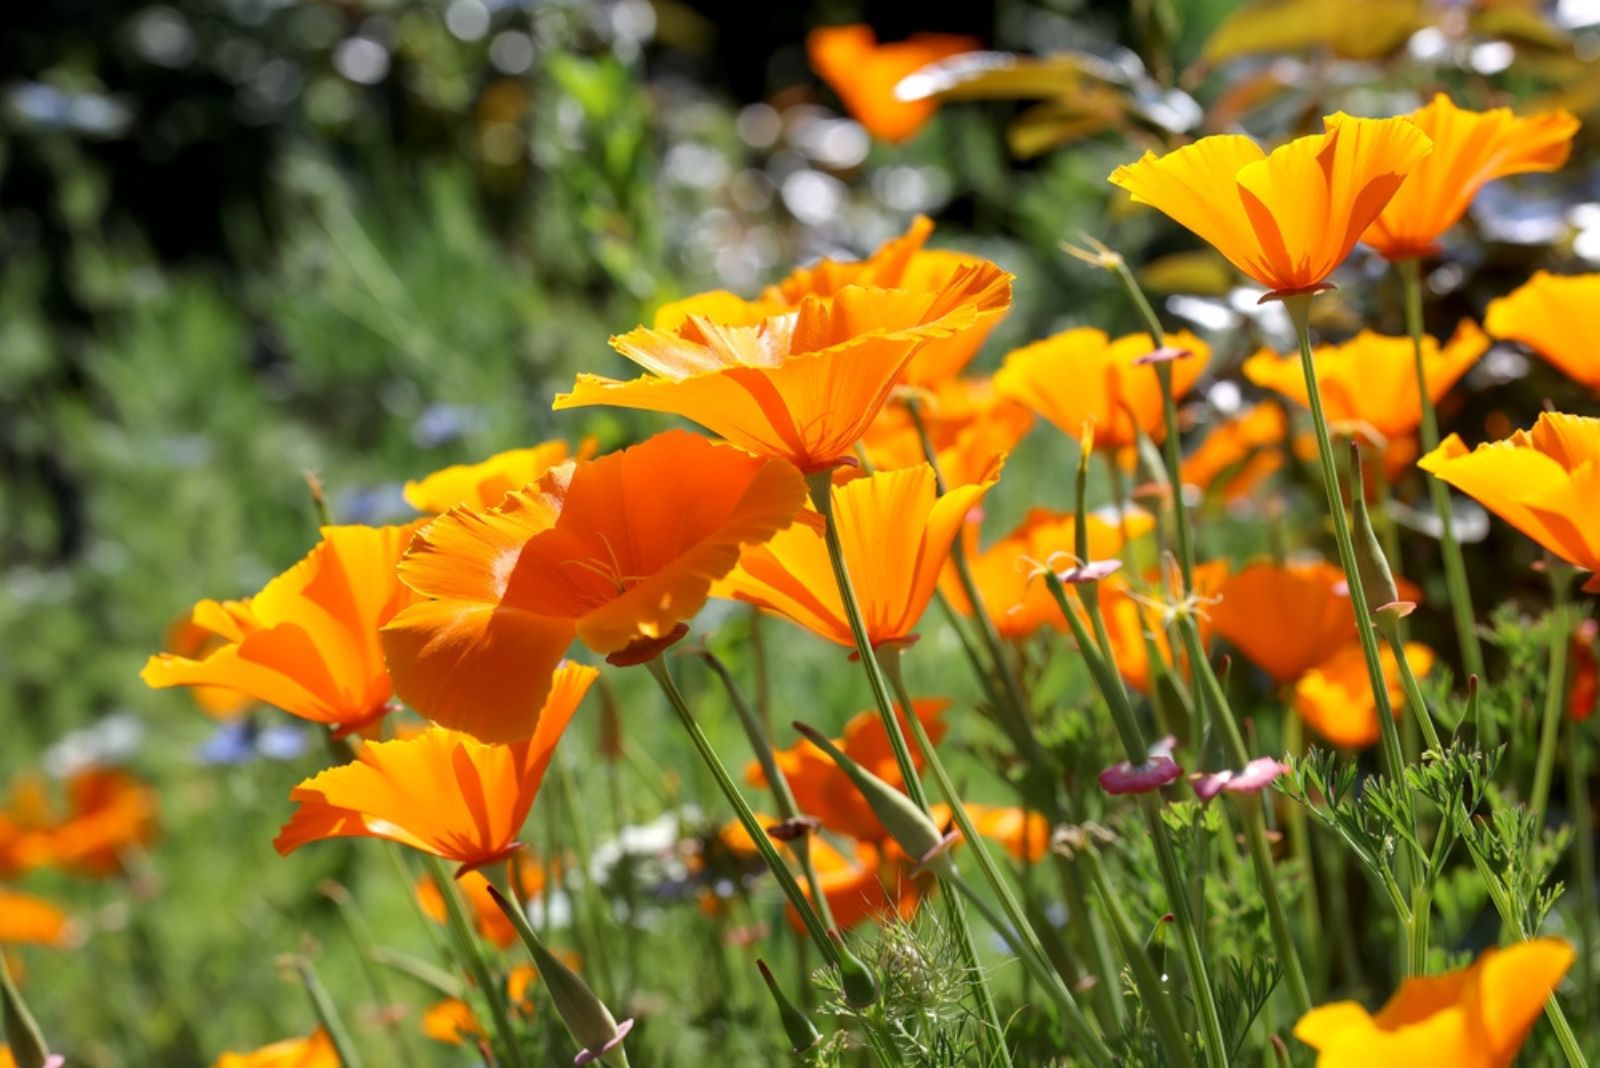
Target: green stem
(328,1015)
(1455,567)
(469,951)
(21,1031)
(1583,873)
(1555,692)
(376,977)
(594,903)
(1301,843)
(994,1045)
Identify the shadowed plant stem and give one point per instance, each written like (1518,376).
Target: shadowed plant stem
(594,904)
(1583,835)
(469,951)
(328,1015)
(1555,690)
(377,979)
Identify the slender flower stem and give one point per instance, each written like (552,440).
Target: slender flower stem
(1583,873)
(1555,691)
(594,903)
(1455,568)
(994,1031)
(741,807)
(376,977)
(21,1032)
(468,950)
(328,1015)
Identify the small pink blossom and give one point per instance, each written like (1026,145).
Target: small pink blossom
(1252,779)
(1165,354)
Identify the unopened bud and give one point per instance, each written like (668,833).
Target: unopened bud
(859,984)
(803,1034)
(1372,567)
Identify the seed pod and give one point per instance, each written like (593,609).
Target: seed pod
(803,1034)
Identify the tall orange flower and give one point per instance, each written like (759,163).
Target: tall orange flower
(1474,1017)
(618,551)
(440,791)
(1286,618)
(968,425)
(1335,697)
(896,532)
(108,812)
(1554,316)
(1544,482)
(1289,217)
(314,1051)
(1238,454)
(1370,381)
(32,920)
(1082,375)
(1470,150)
(483,485)
(308,642)
(864,73)
(803,384)
(453,1021)
(487,917)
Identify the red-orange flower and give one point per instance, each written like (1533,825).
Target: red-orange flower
(1289,217)
(314,1051)
(483,485)
(859,885)
(1083,376)
(1470,150)
(308,642)
(896,532)
(1554,316)
(453,1021)
(864,73)
(968,423)
(108,813)
(1286,618)
(1335,698)
(487,916)
(440,792)
(1023,834)
(618,551)
(203,630)
(1584,696)
(803,384)
(32,920)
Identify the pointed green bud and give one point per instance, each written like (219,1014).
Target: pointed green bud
(860,985)
(1377,581)
(907,824)
(21,1032)
(803,1034)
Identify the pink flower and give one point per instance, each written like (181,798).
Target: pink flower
(1157,771)
(1252,779)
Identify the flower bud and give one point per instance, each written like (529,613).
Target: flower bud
(859,984)
(803,1034)
(1372,567)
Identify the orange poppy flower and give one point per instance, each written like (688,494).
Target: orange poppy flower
(1335,697)
(1289,217)
(201,631)
(1023,834)
(1474,1017)
(1238,454)
(1553,315)
(483,485)
(803,384)
(1370,381)
(440,792)
(1584,696)
(453,1021)
(487,917)
(314,1051)
(1006,573)
(108,812)
(864,73)
(822,790)
(32,920)
(968,424)
(308,642)
(1082,376)
(859,885)
(620,551)
(896,532)
(1544,482)
(1286,618)
(1470,150)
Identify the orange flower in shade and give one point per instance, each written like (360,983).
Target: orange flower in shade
(1554,316)
(1543,481)
(1132,615)
(1238,454)
(490,922)
(108,813)
(32,920)
(896,532)
(1006,573)
(453,1021)
(822,790)
(1289,217)
(1335,697)
(1584,697)
(803,384)
(1470,150)
(440,792)
(1081,375)
(314,1051)
(1023,834)
(483,485)
(201,631)
(859,885)
(619,550)
(968,424)
(1474,1017)
(864,73)
(308,642)
(1286,618)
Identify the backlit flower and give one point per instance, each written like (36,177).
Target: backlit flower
(896,532)
(1474,1017)
(864,74)
(1083,376)
(487,917)
(483,485)
(1137,620)
(1554,316)
(1543,481)
(1238,454)
(314,1051)
(803,384)
(308,642)
(1583,698)
(1335,697)
(1254,777)
(968,424)
(199,632)
(441,792)
(1024,835)
(1470,150)
(28,920)
(618,551)
(1286,618)
(1286,218)
(1370,381)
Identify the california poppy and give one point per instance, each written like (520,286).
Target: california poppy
(1370,381)
(1238,454)
(859,885)
(25,919)
(308,642)
(1023,834)
(483,485)
(453,1021)
(968,424)
(803,384)
(487,916)
(618,551)
(108,812)
(1335,697)
(1289,217)
(1286,618)
(1553,315)
(896,532)
(1543,481)
(1083,376)
(1474,1017)
(441,792)
(314,1051)
(1470,150)
(199,632)
(864,73)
